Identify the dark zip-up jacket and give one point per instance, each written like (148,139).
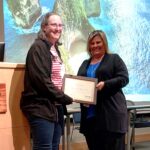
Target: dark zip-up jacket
(40,94)
(111,108)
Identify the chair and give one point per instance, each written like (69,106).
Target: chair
(138,119)
(75,122)
(132,117)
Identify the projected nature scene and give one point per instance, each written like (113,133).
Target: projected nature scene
(126,23)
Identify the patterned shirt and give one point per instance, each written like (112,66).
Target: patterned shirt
(58,69)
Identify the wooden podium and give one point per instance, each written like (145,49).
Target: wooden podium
(14,129)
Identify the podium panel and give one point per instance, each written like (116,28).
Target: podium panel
(14,129)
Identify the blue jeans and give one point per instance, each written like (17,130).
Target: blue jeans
(45,134)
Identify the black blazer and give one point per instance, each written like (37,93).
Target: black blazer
(111,108)
(40,94)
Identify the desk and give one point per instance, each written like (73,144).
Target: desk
(130,108)
(66,137)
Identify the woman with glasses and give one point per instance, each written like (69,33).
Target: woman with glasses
(43,101)
(104,125)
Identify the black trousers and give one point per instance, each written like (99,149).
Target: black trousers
(103,140)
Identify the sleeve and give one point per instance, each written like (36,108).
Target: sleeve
(38,64)
(120,75)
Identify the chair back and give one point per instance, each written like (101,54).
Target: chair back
(76,117)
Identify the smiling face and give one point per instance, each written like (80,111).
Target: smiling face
(96,47)
(54,28)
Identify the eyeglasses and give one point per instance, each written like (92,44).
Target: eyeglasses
(94,33)
(54,25)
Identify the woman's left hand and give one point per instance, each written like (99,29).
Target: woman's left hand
(100,85)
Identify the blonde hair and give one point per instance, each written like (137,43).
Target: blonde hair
(102,35)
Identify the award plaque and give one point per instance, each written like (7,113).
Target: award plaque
(81,89)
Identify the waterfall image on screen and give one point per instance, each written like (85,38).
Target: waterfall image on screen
(126,23)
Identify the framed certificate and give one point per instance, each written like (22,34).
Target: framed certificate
(81,89)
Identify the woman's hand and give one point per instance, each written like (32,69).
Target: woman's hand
(100,85)
(86,105)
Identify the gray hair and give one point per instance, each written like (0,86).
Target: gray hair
(41,33)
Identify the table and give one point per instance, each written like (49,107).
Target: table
(66,136)
(130,108)
(77,109)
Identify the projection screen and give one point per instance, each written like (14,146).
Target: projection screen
(126,23)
